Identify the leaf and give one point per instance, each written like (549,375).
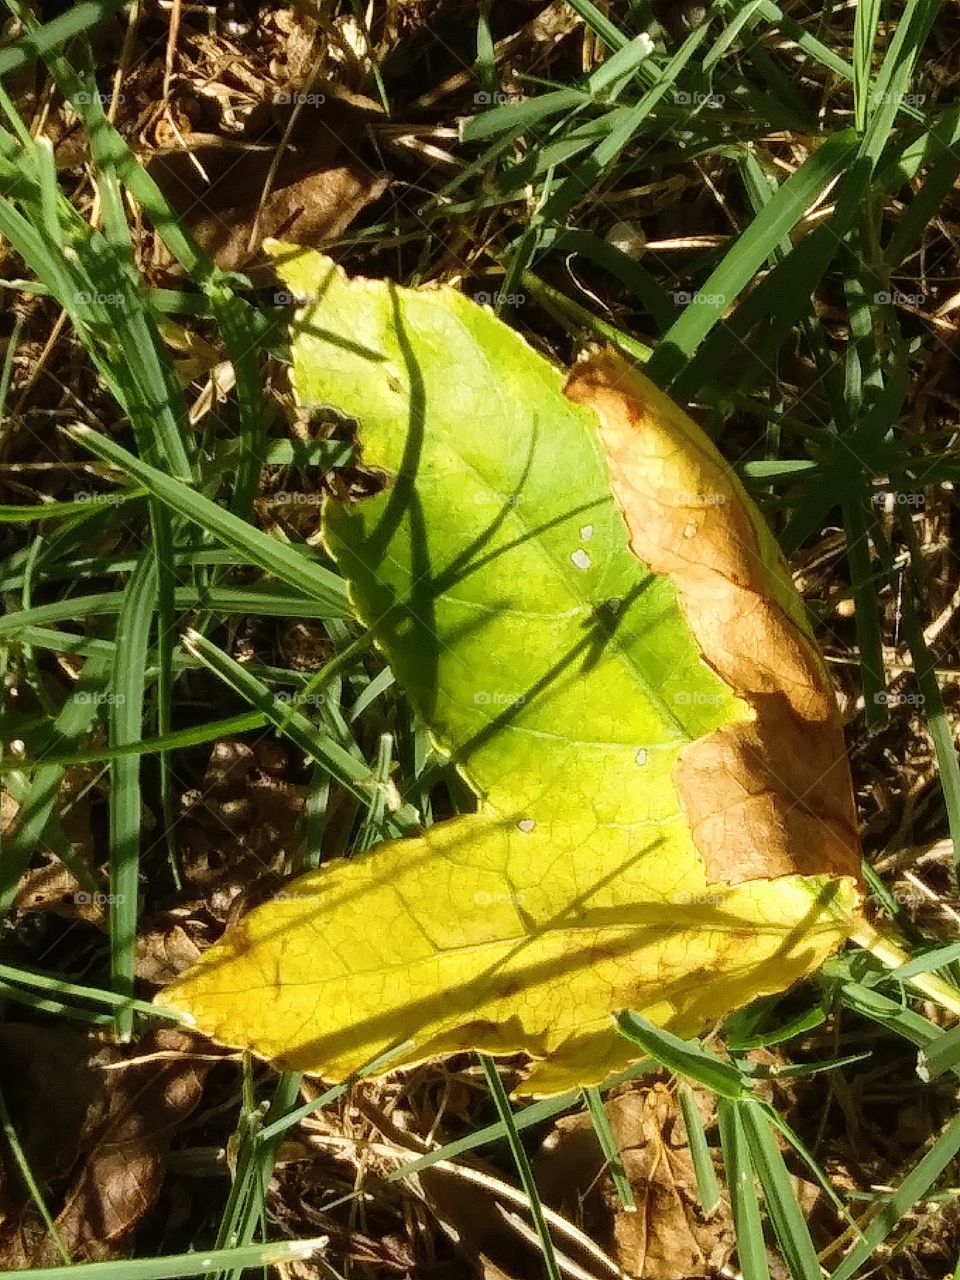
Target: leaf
(664,817)
(234,193)
(666,1235)
(121,1148)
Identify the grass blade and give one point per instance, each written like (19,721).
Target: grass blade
(608,1145)
(275,557)
(864,35)
(518,1151)
(785,1213)
(350,770)
(708,1188)
(685,1058)
(915,1186)
(196,1263)
(37,804)
(751,1247)
(26,1173)
(939,1056)
(126,726)
(748,254)
(80,17)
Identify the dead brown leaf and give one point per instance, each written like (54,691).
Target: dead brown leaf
(768,797)
(303,179)
(240,823)
(48,1085)
(667,1237)
(166,948)
(53,888)
(123,1148)
(9,811)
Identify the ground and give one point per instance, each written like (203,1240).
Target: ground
(419,141)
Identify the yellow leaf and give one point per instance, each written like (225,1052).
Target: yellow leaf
(479,934)
(610,647)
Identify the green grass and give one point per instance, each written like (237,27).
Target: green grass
(835,157)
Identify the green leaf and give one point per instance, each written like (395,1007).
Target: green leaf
(125,710)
